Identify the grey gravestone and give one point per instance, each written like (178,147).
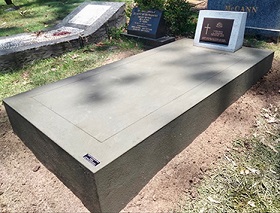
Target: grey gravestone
(263,15)
(106,132)
(89,14)
(220,30)
(88,23)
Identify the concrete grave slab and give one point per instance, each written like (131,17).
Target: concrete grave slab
(236,34)
(88,23)
(105,133)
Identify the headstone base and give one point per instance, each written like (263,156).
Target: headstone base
(274,35)
(150,42)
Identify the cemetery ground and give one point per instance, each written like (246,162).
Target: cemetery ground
(29,17)
(233,166)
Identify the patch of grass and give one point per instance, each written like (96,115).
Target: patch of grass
(53,69)
(248,179)
(34,15)
(262,44)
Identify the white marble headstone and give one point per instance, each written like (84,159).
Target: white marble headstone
(237,33)
(89,14)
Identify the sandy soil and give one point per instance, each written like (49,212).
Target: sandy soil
(27,186)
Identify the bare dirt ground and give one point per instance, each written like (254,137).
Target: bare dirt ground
(27,186)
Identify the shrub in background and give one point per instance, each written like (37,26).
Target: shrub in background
(179,17)
(150,4)
(178,14)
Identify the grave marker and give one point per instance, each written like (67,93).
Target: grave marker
(89,14)
(149,27)
(263,16)
(87,24)
(216,30)
(148,23)
(220,30)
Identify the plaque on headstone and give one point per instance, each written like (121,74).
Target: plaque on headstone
(89,14)
(148,23)
(216,30)
(263,16)
(220,30)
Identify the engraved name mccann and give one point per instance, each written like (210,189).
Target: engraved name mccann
(248,9)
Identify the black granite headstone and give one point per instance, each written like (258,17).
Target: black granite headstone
(216,30)
(148,23)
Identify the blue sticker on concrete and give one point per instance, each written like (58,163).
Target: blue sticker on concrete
(91,159)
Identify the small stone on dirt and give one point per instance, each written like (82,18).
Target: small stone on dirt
(36,168)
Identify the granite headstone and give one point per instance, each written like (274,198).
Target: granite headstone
(263,16)
(148,23)
(148,27)
(220,30)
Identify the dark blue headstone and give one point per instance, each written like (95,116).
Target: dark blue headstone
(148,23)
(262,15)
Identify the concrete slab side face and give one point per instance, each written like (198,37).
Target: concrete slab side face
(130,118)
(75,176)
(213,26)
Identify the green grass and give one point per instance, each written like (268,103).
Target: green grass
(248,179)
(253,42)
(35,15)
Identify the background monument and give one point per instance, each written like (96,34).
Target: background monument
(263,17)
(88,23)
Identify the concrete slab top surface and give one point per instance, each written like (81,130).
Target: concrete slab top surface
(107,111)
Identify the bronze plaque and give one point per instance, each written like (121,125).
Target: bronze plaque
(216,30)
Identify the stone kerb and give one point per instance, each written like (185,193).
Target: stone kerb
(89,23)
(263,15)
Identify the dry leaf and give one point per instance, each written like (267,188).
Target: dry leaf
(255,171)
(251,203)
(230,160)
(74,56)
